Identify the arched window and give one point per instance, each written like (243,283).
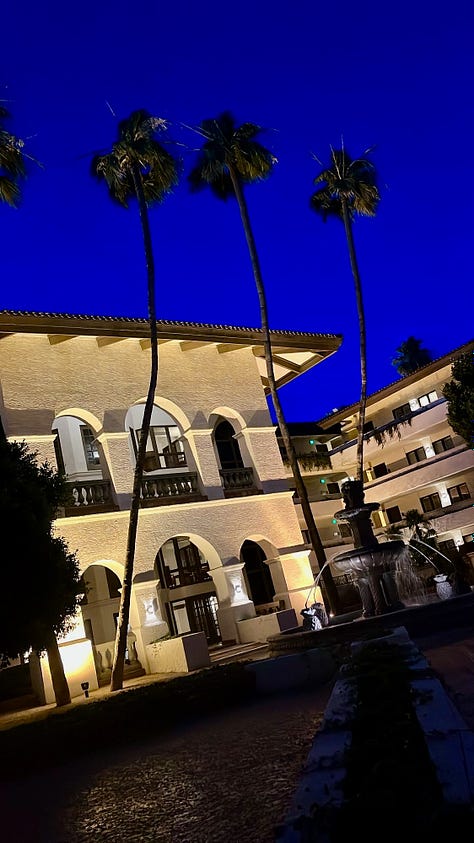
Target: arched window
(227,446)
(180,562)
(164,448)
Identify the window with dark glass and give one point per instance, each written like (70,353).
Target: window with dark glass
(402,411)
(444,444)
(368,426)
(227,446)
(59,453)
(459,493)
(417,455)
(393,514)
(91,450)
(164,448)
(183,565)
(430,502)
(333,488)
(380,470)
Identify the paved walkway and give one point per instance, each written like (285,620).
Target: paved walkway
(226,778)
(229,777)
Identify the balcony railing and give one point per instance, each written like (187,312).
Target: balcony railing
(237,482)
(170,489)
(178,577)
(87,497)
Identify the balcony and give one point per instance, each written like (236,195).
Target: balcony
(309,461)
(166,489)
(238,482)
(89,497)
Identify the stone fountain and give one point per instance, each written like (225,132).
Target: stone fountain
(372,564)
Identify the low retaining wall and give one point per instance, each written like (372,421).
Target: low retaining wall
(262,627)
(446,783)
(310,669)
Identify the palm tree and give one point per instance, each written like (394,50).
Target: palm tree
(422,539)
(12,164)
(231,157)
(137,167)
(346,188)
(410,356)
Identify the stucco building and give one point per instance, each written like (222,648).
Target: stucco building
(219,548)
(412,460)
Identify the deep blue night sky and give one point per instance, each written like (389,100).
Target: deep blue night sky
(399,78)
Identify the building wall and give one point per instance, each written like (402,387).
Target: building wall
(97,382)
(405,484)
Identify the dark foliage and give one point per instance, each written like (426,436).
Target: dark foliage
(411,356)
(228,146)
(40,577)
(459,394)
(12,164)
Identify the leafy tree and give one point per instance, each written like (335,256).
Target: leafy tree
(230,158)
(12,164)
(410,356)
(137,167)
(347,188)
(459,394)
(40,577)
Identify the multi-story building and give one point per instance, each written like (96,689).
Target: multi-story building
(219,548)
(412,460)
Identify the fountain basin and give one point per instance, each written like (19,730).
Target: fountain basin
(381,557)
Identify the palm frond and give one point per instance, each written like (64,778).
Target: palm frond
(9,192)
(228,148)
(12,164)
(349,181)
(137,150)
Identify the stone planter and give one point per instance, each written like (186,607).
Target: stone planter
(178,655)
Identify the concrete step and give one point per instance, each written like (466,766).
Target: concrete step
(235,651)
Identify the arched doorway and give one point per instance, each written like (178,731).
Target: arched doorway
(257,574)
(191,603)
(100,607)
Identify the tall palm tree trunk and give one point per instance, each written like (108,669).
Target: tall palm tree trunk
(362,341)
(302,493)
(58,677)
(116,682)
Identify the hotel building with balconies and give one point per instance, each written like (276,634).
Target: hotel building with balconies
(412,460)
(219,548)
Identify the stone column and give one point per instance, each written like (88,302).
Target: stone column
(202,448)
(261,446)
(148,621)
(293,580)
(234,602)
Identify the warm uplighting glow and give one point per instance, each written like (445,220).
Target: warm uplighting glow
(76,657)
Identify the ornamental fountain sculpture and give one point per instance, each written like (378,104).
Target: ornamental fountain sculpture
(372,564)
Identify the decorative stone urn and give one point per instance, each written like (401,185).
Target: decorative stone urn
(373,564)
(444,588)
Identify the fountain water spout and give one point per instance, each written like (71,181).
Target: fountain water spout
(373,564)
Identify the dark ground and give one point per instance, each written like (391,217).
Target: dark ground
(227,777)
